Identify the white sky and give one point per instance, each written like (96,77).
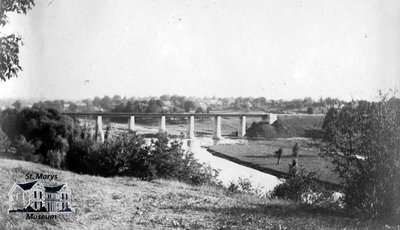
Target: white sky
(277,48)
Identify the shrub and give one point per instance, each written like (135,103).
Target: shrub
(297,182)
(129,155)
(5,142)
(362,139)
(233,188)
(55,158)
(198,174)
(79,154)
(245,184)
(26,150)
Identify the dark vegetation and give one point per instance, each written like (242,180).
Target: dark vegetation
(43,135)
(298,182)
(129,155)
(362,140)
(39,134)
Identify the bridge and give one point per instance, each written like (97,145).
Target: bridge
(268,117)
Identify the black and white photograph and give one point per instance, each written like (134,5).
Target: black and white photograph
(200,114)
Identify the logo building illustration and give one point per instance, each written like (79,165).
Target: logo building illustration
(34,197)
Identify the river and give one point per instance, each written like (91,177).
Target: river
(230,171)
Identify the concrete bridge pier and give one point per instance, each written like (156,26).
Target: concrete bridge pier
(191,128)
(270,118)
(99,128)
(217,128)
(242,126)
(163,127)
(131,124)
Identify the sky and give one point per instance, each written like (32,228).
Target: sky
(278,49)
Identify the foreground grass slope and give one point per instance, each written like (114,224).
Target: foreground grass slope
(127,203)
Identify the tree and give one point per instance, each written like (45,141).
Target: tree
(129,108)
(140,106)
(72,107)
(165,97)
(154,106)
(119,108)
(117,99)
(17,105)
(9,44)
(362,139)
(88,104)
(105,103)
(44,127)
(310,110)
(199,110)
(188,106)
(178,101)
(96,101)
(56,104)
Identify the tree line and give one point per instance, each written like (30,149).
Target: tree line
(181,104)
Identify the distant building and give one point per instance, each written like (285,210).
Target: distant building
(35,195)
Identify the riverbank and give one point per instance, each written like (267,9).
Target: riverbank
(230,172)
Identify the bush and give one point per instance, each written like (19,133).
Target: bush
(55,158)
(362,139)
(79,155)
(5,142)
(233,188)
(245,184)
(297,183)
(130,155)
(26,150)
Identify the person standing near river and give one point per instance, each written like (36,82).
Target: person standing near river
(278,154)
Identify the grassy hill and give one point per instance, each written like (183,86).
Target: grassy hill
(127,203)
